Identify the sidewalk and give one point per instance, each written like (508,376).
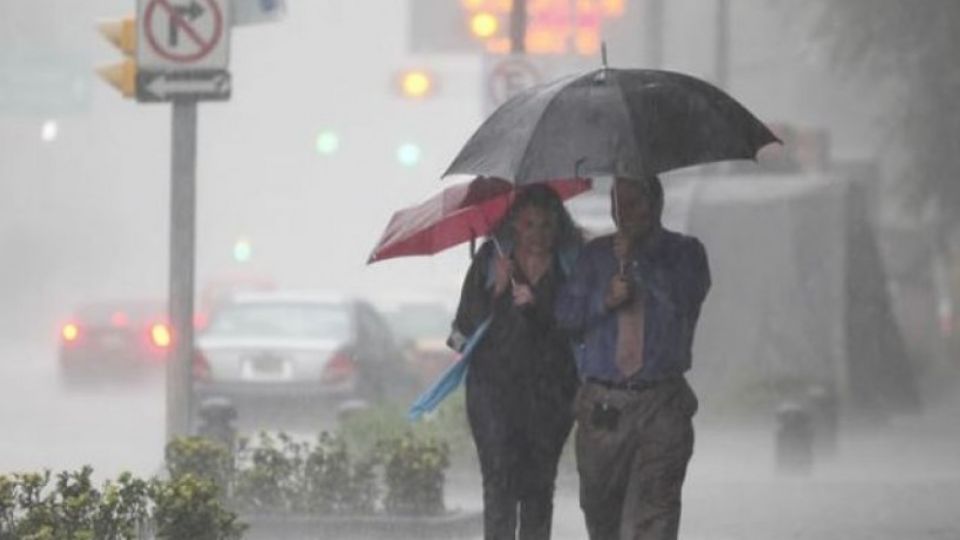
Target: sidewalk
(901,482)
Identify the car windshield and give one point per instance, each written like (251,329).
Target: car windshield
(282,320)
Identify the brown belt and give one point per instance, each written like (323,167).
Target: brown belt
(633,386)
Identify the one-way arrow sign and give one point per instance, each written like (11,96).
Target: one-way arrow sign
(205,85)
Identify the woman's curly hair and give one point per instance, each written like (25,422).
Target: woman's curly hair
(545,198)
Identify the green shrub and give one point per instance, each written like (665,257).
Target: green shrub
(403,474)
(201,458)
(269,475)
(8,506)
(414,474)
(72,508)
(189,507)
(335,483)
(365,428)
(281,475)
(123,510)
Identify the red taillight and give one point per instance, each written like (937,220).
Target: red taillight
(201,367)
(339,368)
(70,332)
(160,335)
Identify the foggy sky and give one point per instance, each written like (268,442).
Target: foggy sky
(85,216)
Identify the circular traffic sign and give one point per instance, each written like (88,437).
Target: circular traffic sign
(183,31)
(511,76)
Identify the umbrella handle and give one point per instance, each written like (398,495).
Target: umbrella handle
(601,76)
(616,205)
(496,244)
(616,213)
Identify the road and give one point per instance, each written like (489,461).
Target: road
(46,425)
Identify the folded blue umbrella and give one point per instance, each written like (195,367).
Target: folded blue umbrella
(451,378)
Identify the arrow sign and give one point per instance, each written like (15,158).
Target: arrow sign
(168,85)
(206,85)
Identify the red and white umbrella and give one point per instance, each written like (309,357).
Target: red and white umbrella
(457,214)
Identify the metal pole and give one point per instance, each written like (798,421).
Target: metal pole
(722,48)
(182,245)
(518,27)
(653,33)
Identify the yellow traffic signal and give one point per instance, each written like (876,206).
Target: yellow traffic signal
(416,83)
(122,76)
(122,34)
(484,25)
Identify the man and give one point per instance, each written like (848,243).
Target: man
(632,305)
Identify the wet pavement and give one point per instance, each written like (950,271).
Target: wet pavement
(900,482)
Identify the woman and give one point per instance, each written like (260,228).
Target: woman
(522,376)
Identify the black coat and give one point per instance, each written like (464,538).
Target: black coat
(524,364)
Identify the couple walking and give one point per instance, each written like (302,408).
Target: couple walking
(599,334)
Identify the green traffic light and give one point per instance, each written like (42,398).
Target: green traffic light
(408,154)
(242,250)
(327,143)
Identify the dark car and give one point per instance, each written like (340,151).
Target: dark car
(276,349)
(113,340)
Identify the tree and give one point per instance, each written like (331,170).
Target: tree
(913,44)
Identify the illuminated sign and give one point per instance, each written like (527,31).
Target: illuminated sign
(553,26)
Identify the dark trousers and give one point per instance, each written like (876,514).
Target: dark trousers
(631,473)
(519,443)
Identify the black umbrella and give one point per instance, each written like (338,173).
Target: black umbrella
(611,122)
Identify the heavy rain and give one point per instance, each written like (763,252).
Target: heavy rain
(233,264)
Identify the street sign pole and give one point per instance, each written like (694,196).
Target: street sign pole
(182,57)
(182,50)
(183,205)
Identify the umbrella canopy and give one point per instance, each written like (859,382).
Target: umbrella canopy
(611,122)
(455,215)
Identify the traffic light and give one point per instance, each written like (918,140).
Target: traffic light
(484,25)
(49,131)
(408,154)
(415,83)
(123,76)
(327,143)
(242,250)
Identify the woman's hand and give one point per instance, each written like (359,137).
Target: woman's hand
(522,295)
(502,273)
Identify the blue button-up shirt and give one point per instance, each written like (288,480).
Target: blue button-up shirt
(673,272)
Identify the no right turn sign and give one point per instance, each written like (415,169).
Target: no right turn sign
(178,35)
